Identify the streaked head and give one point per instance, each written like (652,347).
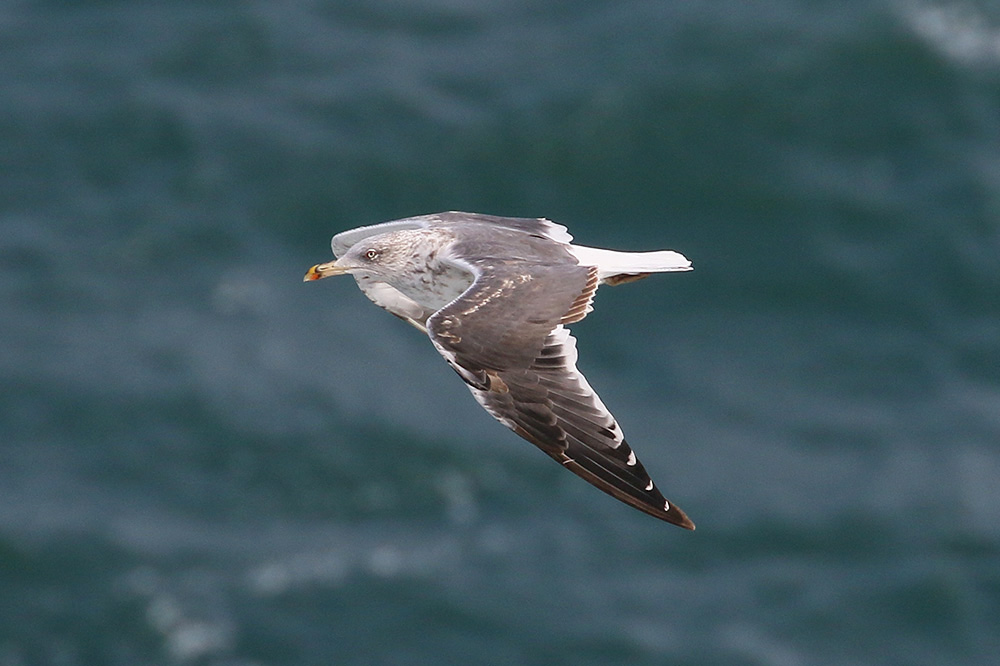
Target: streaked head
(381,255)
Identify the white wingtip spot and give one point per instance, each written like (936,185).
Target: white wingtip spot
(631,459)
(666,506)
(649,486)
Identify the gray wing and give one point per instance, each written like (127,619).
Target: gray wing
(505,337)
(538,226)
(345,240)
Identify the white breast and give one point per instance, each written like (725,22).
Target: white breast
(435,287)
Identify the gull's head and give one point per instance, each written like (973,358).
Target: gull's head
(380,256)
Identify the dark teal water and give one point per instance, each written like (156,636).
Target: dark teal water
(205,461)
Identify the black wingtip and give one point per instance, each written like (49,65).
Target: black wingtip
(677,517)
(649,501)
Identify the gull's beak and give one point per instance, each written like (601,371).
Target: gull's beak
(320,271)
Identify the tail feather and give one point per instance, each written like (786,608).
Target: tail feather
(614,267)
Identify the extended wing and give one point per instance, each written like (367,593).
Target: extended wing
(505,337)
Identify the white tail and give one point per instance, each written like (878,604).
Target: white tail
(612,264)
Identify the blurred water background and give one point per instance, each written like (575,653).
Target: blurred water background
(205,461)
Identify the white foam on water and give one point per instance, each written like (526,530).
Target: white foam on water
(960,30)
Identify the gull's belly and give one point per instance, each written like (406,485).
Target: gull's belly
(436,286)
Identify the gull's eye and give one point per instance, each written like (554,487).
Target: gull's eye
(371,254)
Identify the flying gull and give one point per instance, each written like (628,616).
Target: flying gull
(495,295)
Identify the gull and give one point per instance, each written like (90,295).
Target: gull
(495,295)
